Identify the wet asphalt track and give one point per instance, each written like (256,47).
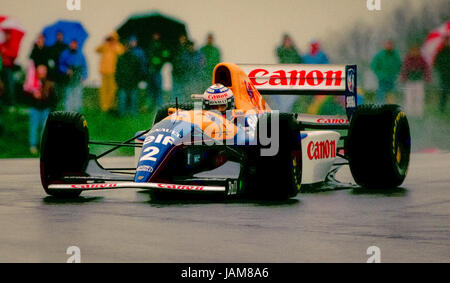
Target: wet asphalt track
(411,224)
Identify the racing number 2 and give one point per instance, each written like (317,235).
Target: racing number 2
(152,151)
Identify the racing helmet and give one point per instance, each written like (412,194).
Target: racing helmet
(218,97)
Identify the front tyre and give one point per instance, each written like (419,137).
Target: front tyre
(64,150)
(379,146)
(280,175)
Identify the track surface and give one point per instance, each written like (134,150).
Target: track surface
(411,224)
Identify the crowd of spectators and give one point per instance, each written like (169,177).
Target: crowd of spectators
(412,72)
(55,76)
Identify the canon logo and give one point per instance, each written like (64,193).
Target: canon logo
(94,186)
(332,121)
(218,96)
(321,150)
(296,78)
(180,187)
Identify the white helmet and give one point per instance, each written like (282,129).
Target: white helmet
(218,97)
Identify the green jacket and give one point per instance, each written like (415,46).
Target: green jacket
(128,71)
(442,65)
(288,55)
(158,55)
(386,65)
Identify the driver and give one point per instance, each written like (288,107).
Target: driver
(218,97)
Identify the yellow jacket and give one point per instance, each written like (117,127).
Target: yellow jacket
(110,51)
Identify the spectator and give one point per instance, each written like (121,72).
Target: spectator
(212,58)
(9,55)
(53,73)
(40,54)
(386,65)
(158,55)
(195,63)
(442,66)
(128,74)
(414,71)
(315,55)
(139,53)
(73,64)
(42,99)
(58,48)
(179,69)
(110,51)
(287,54)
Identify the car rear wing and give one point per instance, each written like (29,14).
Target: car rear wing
(292,79)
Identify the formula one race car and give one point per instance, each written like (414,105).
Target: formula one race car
(251,151)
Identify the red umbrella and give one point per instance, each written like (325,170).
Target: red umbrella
(434,42)
(16,32)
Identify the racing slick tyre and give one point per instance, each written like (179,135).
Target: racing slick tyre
(64,150)
(163,111)
(280,175)
(378,146)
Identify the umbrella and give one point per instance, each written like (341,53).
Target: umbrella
(144,25)
(434,42)
(16,32)
(70,30)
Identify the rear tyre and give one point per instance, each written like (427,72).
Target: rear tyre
(379,146)
(163,111)
(64,150)
(280,175)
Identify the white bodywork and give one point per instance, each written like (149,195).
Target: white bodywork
(319,149)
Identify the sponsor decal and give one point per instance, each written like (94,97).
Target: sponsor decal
(218,96)
(350,100)
(321,150)
(180,187)
(232,187)
(145,168)
(250,91)
(332,121)
(159,139)
(169,131)
(218,102)
(351,80)
(296,78)
(94,186)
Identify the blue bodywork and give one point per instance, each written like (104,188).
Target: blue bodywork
(168,133)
